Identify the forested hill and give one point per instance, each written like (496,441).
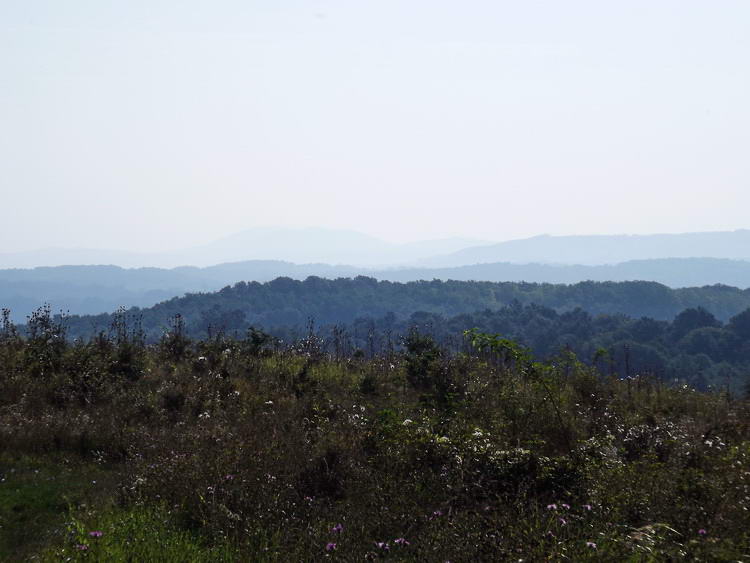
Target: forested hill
(284,302)
(90,290)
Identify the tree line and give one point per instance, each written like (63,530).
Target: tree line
(700,336)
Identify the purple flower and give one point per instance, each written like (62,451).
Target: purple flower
(587,506)
(551,507)
(591,544)
(702,532)
(82,547)
(96,534)
(382,545)
(565,506)
(401,541)
(330,546)
(563,521)
(437,513)
(550,534)
(338,528)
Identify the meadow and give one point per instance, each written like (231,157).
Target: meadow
(250,449)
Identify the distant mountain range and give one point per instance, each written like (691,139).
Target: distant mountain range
(263,254)
(601,249)
(327,246)
(98,289)
(301,246)
(672,272)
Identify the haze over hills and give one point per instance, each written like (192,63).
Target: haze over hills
(99,289)
(675,260)
(301,246)
(330,246)
(602,249)
(672,272)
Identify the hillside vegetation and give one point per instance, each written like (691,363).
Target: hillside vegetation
(695,335)
(230,449)
(85,290)
(285,302)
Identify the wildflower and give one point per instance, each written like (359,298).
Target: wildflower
(563,521)
(229,477)
(338,528)
(382,545)
(96,534)
(587,506)
(437,513)
(565,506)
(330,546)
(702,532)
(82,547)
(407,422)
(591,544)
(401,541)
(551,507)
(550,534)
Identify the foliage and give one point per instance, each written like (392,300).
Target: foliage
(285,303)
(251,449)
(602,323)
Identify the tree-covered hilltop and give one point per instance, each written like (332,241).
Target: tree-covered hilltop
(285,302)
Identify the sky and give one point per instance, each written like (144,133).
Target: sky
(154,124)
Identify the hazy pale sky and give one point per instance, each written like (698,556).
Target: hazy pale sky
(153,124)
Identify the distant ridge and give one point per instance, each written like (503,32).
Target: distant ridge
(601,249)
(331,246)
(99,289)
(301,246)
(672,272)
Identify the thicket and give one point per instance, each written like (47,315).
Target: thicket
(252,449)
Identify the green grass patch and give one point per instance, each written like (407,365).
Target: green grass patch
(35,495)
(139,533)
